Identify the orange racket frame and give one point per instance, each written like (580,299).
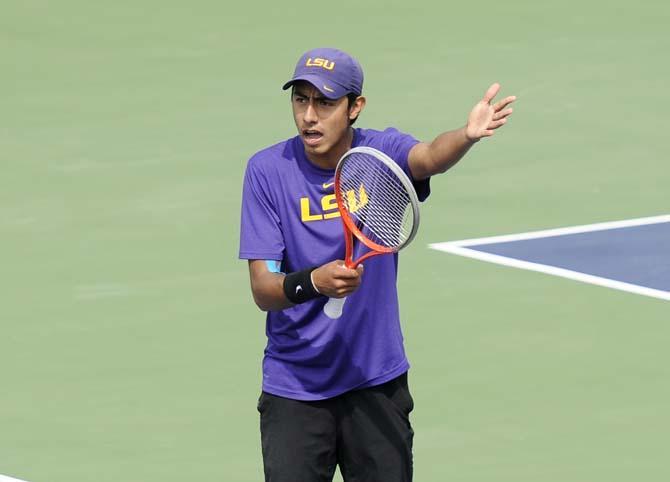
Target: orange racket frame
(351,230)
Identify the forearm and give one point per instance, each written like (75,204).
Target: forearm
(428,159)
(268,291)
(447,149)
(275,291)
(270,288)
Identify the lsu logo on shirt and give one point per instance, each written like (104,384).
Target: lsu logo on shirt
(355,201)
(319,62)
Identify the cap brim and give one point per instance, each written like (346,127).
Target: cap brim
(329,89)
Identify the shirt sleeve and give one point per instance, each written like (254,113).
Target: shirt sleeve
(397,145)
(260,227)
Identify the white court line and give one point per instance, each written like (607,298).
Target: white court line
(459,248)
(558,232)
(5,478)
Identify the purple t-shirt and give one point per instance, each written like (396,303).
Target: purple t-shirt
(289,214)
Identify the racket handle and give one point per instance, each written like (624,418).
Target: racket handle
(333,308)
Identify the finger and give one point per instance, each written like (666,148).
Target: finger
(346,273)
(495,124)
(344,289)
(501,104)
(345,284)
(347,290)
(351,283)
(338,294)
(491,92)
(502,114)
(340,263)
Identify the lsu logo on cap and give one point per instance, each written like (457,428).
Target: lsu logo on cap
(319,62)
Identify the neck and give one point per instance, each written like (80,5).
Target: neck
(328,160)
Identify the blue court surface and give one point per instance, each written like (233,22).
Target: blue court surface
(631,255)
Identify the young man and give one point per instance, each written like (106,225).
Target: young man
(334,391)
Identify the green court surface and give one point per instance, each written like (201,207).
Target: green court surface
(130,346)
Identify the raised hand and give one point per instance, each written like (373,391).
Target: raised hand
(485,118)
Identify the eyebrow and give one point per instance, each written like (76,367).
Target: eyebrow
(317,96)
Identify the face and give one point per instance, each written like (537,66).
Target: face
(323,124)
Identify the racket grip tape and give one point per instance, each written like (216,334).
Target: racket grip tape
(298,286)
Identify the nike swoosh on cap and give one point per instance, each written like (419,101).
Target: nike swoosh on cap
(328,88)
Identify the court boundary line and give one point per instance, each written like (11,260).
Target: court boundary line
(546,233)
(7,478)
(461,248)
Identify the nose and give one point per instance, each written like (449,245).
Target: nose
(310,113)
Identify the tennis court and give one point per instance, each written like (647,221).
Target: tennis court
(130,346)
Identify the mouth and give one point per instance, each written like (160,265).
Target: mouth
(312,137)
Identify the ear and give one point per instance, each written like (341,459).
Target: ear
(357,107)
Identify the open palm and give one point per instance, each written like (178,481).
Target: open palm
(485,117)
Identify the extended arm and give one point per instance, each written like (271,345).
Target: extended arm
(428,159)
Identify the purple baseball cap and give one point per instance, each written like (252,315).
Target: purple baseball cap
(333,72)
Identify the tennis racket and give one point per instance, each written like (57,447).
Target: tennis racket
(378,205)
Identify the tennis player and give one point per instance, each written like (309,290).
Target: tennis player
(334,392)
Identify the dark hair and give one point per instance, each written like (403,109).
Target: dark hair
(351,97)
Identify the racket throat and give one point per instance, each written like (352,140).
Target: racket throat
(349,249)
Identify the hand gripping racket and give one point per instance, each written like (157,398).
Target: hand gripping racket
(378,206)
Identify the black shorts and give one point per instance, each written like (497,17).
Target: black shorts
(366,432)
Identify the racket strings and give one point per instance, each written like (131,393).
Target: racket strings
(377,201)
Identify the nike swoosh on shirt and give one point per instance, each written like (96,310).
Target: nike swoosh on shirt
(326,185)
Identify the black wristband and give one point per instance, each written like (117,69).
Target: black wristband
(298,286)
